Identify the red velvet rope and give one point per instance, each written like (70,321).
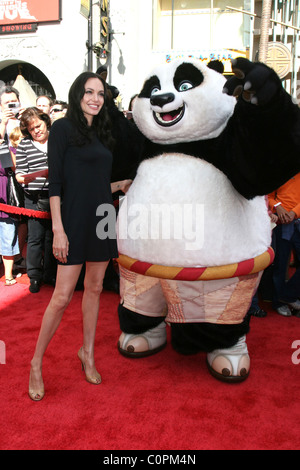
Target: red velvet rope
(29,212)
(22,211)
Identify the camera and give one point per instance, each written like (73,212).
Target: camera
(14,107)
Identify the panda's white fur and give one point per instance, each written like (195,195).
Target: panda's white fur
(234,229)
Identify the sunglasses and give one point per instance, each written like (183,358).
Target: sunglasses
(56,110)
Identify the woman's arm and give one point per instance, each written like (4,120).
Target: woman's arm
(21,178)
(60,239)
(57,147)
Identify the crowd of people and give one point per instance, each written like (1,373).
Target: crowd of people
(26,133)
(62,156)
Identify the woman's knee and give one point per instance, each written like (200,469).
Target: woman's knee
(93,287)
(93,280)
(60,300)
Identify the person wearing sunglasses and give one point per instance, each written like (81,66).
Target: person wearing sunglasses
(58,110)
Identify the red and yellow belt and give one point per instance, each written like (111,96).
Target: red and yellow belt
(250,266)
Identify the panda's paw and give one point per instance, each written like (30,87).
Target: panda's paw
(255,82)
(143,344)
(230,365)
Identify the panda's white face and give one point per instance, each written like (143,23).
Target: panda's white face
(182,101)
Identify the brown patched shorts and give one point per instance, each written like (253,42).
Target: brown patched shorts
(222,301)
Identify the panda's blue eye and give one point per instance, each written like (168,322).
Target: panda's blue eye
(185,86)
(154,90)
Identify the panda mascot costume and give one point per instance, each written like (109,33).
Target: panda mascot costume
(194,232)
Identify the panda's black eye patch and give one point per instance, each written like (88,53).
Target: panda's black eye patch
(151,84)
(187,76)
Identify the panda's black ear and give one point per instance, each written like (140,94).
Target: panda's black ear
(216,65)
(102,71)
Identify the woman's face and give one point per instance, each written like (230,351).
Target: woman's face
(93,99)
(38,130)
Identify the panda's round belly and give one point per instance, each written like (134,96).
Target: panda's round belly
(182,211)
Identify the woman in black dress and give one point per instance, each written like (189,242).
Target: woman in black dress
(80,161)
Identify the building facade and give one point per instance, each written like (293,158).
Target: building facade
(51,42)
(147,32)
(49,51)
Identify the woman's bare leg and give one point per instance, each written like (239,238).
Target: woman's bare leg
(66,280)
(8,262)
(93,282)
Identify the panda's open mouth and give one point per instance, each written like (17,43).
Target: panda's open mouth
(170,118)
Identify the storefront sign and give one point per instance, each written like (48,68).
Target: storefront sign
(224,56)
(104,29)
(18,28)
(13,12)
(104,22)
(85,8)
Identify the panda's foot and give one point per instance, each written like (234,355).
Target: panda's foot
(143,344)
(230,365)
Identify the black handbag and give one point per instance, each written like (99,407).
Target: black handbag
(15,192)
(43,204)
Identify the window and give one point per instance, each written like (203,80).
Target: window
(200,24)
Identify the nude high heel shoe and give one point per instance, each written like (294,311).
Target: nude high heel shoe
(35,395)
(95,380)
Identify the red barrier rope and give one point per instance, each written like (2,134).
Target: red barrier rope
(22,211)
(29,212)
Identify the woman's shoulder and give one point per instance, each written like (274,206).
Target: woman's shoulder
(62,129)
(62,123)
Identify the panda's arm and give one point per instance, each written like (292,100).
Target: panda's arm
(262,139)
(127,148)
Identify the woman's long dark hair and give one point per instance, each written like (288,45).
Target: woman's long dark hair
(101,122)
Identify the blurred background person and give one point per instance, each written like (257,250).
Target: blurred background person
(58,110)
(285,202)
(15,138)
(32,172)
(9,246)
(10,108)
(44,103)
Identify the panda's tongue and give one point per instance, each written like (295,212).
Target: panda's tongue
(168,117)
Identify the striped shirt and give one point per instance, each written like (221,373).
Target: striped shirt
(29,159)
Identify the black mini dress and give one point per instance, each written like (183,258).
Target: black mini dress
(80,175)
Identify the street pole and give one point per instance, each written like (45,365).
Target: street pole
(264,28)
(90,37)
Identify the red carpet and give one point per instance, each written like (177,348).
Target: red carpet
(165,402)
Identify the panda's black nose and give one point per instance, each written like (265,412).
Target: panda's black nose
(162,99)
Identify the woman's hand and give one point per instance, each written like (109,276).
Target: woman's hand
(60,246)
(60,240)
(123,186)
(29,177)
